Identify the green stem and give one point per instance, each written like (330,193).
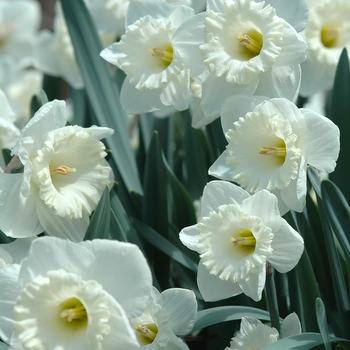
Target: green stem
(271,297)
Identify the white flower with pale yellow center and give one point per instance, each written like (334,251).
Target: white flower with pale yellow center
(270,145)
(167,315)
(253,334)
(156,77)
(73,296)
(327,34)
(243,47)
(64,175)
(236,237)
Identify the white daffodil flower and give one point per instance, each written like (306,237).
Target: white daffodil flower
(327,34)
(9,133)
(253,334)
(156,76)
(243,47)
(237,235)
(167,315)
(19,22)
(270,145)
(64,175)
(73,296)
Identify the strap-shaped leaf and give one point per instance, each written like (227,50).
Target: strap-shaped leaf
(322,323)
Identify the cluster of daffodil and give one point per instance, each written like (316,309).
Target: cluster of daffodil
(92,259)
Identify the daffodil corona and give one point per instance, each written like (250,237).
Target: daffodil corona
(235,238)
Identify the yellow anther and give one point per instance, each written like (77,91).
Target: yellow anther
(147,332)
(329,36)
(253,42)
(62,170)
(244,240)
(73,313)
(78,312)
(273,151)
(165,55)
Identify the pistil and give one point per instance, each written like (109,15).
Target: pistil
(165,55)
(253,42)
(148,331)
(329,36)
(273,151)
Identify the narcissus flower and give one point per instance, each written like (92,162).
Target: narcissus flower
(167,315)
(253,334)
(235,238)
(156,77)
(243,47)
(327,34)
(270,145)
(66,295)
(64,175)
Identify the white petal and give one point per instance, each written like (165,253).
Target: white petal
(217,90)
(321,141)
(12,203)
(19,249)
(217,193)
(280,82)
(294,12)
(213,288)
(220,169)
(290,325)
(186,41)
(181,305)
(288,247)
(264,205)
(63,255)
(237,106)
(123,272)
(189,236)
(9,292)
(147,100)
(59,226)
(254,284)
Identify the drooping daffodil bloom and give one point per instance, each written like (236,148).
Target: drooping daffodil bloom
(327,34)
(156,78)
(74,296)
(236,237)
(253,334)
(244,47)
(64,175)
(270,145)
(167,315)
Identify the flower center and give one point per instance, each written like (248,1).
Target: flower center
(329,36)
(62,170)
(244,240)
(252,43)
(148,332)
(165,55)
(73,313)
(279,152)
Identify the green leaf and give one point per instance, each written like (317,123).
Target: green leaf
(155,206)
(338,213)
(101,89)
(220,314)
(100,220)
(322,322)
(340,115)
(4,346)
(162,244)
(301,341)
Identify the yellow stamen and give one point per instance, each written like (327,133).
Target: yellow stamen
(148,332)
(253,42)
(62,170)
(244,240)
(165,55)
(273,151)
(329,36)
(73,313)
